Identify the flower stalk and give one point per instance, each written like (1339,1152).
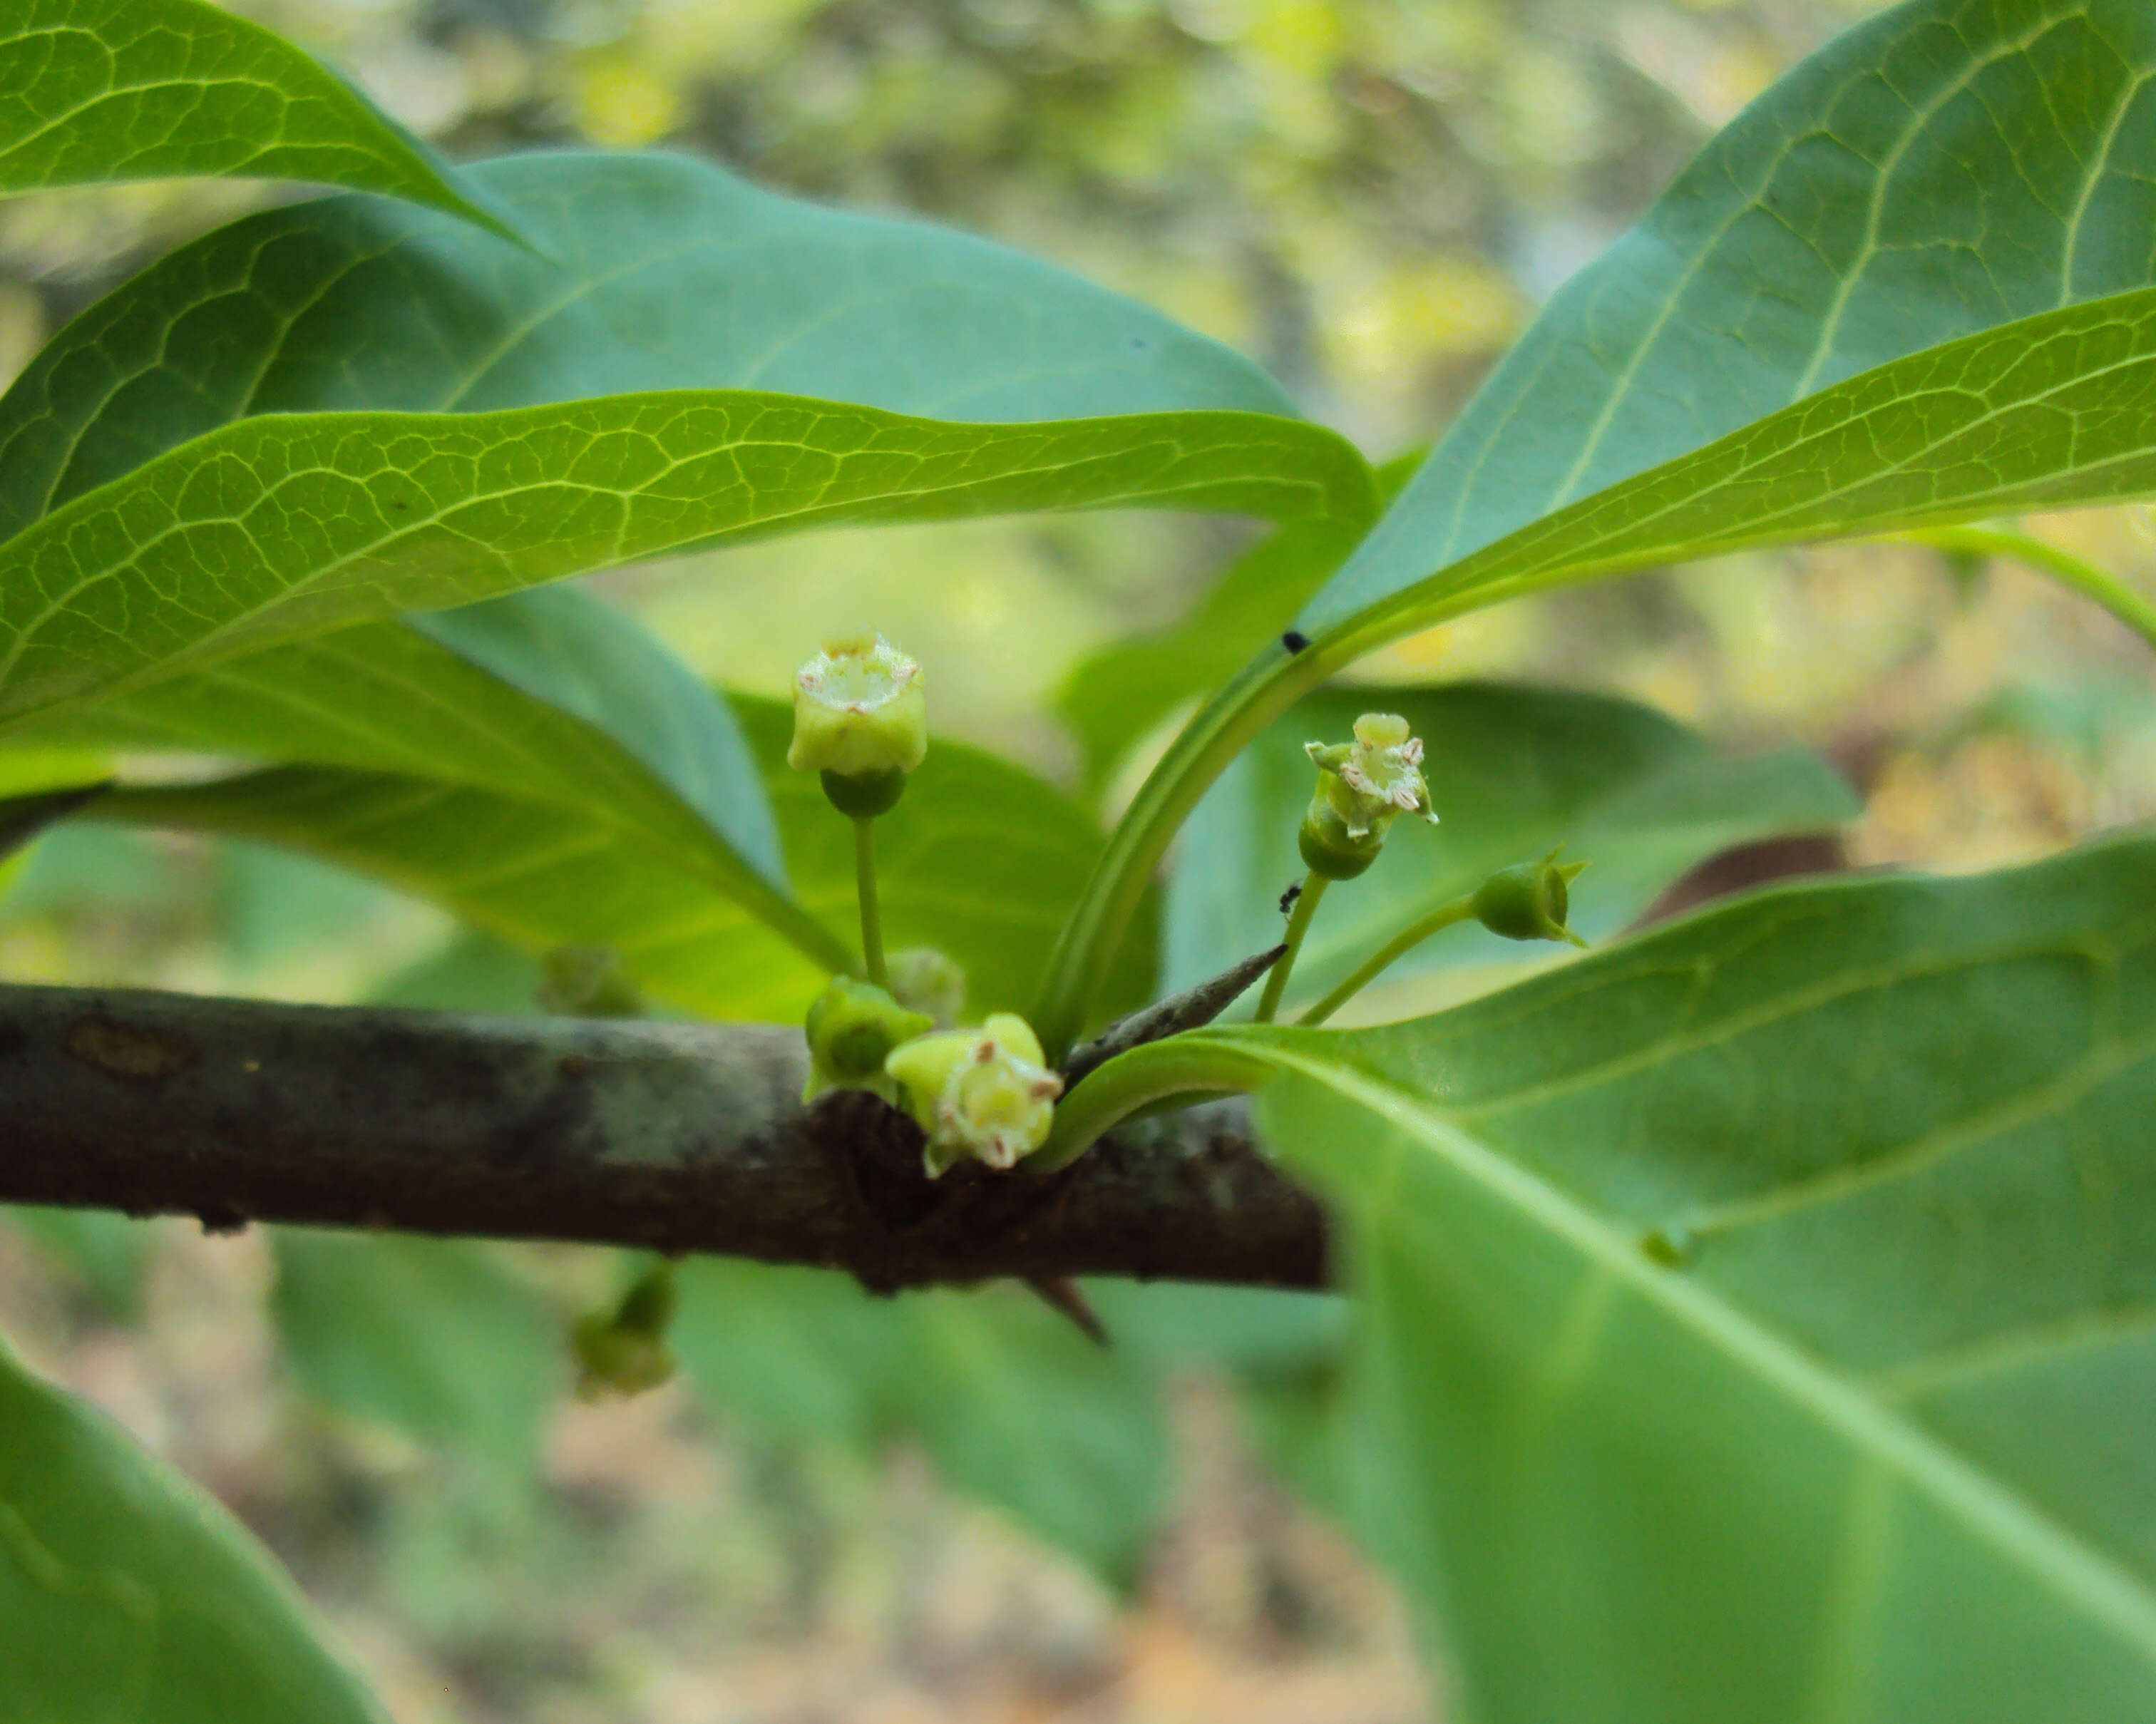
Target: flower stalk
(1300,918)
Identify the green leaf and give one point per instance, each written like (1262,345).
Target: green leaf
(432,1337)
(659,272)
(1755,1317)
(980,860)
(1956,171)
(2055,410)
(1952,166)
(1514,771)
(137,90)
(125,1592)
(285,526)
(1012,1403)
(549,696)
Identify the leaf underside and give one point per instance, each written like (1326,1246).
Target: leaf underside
(135,89)
(1757,1317)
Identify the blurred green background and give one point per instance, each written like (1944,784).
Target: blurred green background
(1369,197)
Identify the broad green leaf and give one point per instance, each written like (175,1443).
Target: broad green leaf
(549,696)
(2056,410)
(1514,772)
(433,1337)
(1012,1403)
(126,1594)
(1951,166)
(289,524)
(1755,1316)
(658,272)
(137,90)
(1114,697)
(980,860)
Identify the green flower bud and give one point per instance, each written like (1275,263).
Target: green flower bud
(987,1093)
(624,1352)
(852,1028)
(1363,787)
(923,979)
(858,712)
(1529,901)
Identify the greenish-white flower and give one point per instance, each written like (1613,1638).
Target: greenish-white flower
(859,710)
(1362,786)
(986,1093)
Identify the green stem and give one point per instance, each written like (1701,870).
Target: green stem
(2046,559)
(871,915)
(1457,910)
(1189,1068)
(1298,924)
(1219,731)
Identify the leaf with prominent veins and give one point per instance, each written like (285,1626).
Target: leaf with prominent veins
(658,272)
(1949,166)
(283,526)
(137,90)
(1758,1318)
(2056,411)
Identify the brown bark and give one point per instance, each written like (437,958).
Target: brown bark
(677,1137)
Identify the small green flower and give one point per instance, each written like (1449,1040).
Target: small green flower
(852,1028)
(624,1350)
(858,711)
(987,1093)
(923,979)
(1529,901)
(1363,787)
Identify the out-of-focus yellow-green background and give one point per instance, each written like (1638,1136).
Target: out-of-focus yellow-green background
(1369,196)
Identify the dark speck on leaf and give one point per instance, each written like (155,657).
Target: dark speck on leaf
(1295,640)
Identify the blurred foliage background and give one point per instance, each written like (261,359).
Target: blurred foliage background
(1369,196)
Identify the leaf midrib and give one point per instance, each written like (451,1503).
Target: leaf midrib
(2020,1532)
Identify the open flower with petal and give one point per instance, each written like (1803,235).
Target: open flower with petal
(987,1093)
(1363,787)
(859,709)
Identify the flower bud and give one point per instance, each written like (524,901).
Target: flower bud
(1529,901)
(1362,786)
(852,1028)
(858,712)
(986,1093)
(624,1352)
(923,979)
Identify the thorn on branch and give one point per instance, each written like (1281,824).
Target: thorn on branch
(1187,1010)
